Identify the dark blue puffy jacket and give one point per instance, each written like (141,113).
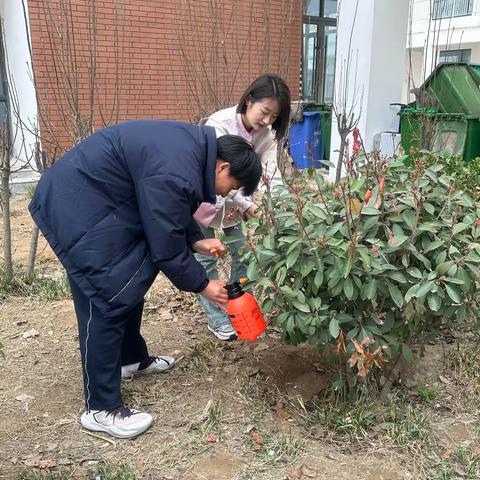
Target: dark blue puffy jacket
(118,207)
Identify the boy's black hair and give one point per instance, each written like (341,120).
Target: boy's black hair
(269,86)
(244,163)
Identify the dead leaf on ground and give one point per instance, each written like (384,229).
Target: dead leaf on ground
(459,470)
(47,463)
(295,474)
(308,472)
(257,440)
(283,414)
(30,333)
(446,454)
(24,398)
(252,371)
(444,379)
(260,347)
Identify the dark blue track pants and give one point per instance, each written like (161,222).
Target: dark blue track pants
(106,345)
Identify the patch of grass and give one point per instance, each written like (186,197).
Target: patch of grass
(37,475)
(101,472)
(352,421)
(407,426)
(465,362)
(255,397)
(204,355)
(122,472)
(51,289)
(281,448)
(40,285)
(426,393)
(212,423)
(463,464)
(30,191)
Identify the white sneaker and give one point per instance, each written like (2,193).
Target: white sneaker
(151,365)
(225,332)
(120,422)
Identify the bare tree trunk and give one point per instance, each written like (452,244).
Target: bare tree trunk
(393,375)
(7,229)
(343,143)
(32,253)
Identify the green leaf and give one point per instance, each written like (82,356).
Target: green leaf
(370,211)
(319,178)
(397,240)
(292,258)
(347,267)
(410,218)
(334,327)
(288,291)
(454,280)
(434,302)
(357,184)
(372,290)
(443,267)
(435,244)
(452,293)
(348,288)
(397,276)
(415,272)
(424,289)
(281,274)
(396,294)
(318,280)
(407,353)
(290,324)
(303,307)
(429,208)
(318,212)
(427,227)
(459,227)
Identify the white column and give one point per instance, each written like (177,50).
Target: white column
(19,77)
(372,35)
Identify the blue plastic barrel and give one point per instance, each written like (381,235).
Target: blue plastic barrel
(306,144)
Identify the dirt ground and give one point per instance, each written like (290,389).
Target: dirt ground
(226,411)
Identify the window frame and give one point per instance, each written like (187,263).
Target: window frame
(320,54)
(438,14)
(459,51)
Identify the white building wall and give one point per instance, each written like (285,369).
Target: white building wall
(427,37)
(19,74)
(377,52)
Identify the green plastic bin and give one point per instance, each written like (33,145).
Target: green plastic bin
(325,112)
(453,125)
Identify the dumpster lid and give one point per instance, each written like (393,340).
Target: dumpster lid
(452,88)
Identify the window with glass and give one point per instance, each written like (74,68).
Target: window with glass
(319,42)
(455,56)
(451,8)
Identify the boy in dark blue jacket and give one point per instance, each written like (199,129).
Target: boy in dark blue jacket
(116,210)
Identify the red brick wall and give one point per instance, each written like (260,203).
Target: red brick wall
(174,59)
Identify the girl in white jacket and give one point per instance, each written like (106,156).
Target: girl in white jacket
(261,117)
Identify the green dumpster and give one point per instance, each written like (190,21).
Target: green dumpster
(446,115)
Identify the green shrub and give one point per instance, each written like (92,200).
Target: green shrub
(466,174)
(388,254)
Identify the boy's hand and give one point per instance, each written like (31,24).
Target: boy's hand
(215,292)
(210,247)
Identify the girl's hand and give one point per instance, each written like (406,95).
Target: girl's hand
(210,247)
(253,211)
(215,292)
